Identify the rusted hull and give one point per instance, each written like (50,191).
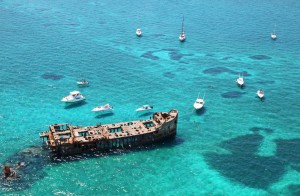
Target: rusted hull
(66,140)
(105,145)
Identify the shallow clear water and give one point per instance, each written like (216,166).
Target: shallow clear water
(236,145)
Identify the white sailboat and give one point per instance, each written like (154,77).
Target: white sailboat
(240,80)
(260,93)
(138,32)
(182,34)
(199,103)
(273,35)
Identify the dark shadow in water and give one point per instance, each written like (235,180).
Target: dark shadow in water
(201,111)
(35,158)
(217,70)
(31,161)
(243,73)
(232,94)
(170,49)
(266,82)
(260,57)
(75,105)
(104,115)
(261,99)
(248,144)
(243,165)
(241,87)
(266,130)
(176,55)
(149,55)
(52,76)
(169,75)
(288,150)
(227,58)
(220,70)
(297,168)
(294,189)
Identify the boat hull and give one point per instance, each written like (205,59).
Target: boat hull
(198,107)
(74,140)
(72,100)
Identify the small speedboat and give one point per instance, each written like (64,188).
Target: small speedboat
(104,109)
(260,93)
(138,32)
(144,108)
(199,103)
(83,83)
(74,96)
(240,81)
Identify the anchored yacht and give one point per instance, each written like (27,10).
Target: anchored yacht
(104,109)
(74,96)
(138,32)
(260,93)
(240,81)
(144,108)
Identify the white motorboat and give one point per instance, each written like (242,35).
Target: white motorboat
(83,83)
(138,32)
(104,109)
(260,93)
(74,96)
(182,34)
(199,103)
(144,108)
(240,80)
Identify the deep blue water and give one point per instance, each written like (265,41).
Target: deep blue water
(237,145)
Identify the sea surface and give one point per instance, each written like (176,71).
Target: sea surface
(237,145)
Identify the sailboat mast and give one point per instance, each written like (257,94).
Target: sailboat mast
(182,24)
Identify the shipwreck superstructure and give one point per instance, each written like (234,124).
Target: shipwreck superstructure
(65,139)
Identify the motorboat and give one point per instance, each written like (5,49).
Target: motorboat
(74,96)
(83,83)
(104,109)
(199,103)
(260,93)
(144,108)
(138,32)
(182,34)
(240,80)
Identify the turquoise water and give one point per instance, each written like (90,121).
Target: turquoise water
(237,145)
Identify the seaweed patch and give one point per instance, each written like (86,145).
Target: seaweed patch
(52,76)
(149,55)
(232,94)
(169,74)
(260,57)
